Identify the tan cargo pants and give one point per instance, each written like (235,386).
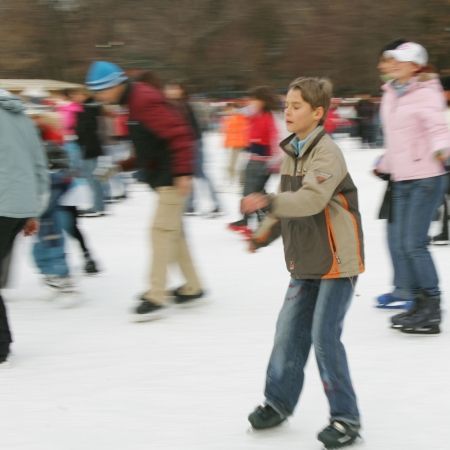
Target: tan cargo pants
(169,246)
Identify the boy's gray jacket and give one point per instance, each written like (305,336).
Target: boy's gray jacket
(316,212)
(24,182)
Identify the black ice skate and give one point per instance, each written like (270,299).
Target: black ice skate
(148,310)
(397,320)
(425,319)
(440,239)
(338,434)
(264,416)
(90,267)
(4,351)
(184,299)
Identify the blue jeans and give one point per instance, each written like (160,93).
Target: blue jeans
(48,250)
(88,167)
(313,313)
(414,203)
(200,174)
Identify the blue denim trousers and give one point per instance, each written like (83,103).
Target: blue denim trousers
(88,168)
(48,250)
(200,174)
(312,314)
(414,203)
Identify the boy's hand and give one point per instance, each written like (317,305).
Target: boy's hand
(253,202)
(31,227)
(251,246)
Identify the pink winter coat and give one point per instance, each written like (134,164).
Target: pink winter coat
(68,112)
(414,129)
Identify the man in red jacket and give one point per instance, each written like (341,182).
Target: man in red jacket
(164,150)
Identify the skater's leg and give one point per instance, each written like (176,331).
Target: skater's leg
(291,348)
(201,174)
(70,226)
(426,194)
(89,166)
(395,245)
(48,251)
(232,166)
(184,260)
(9,228)
(165,235)
(333,301)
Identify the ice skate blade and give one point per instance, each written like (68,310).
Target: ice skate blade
(198,302)
(432,330)
(358,441)
(150,317)
(5,365)
(265,431)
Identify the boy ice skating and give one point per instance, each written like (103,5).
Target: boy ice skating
(316,213)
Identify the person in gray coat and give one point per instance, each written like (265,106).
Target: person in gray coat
(24,187)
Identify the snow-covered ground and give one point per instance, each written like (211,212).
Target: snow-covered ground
(83,376)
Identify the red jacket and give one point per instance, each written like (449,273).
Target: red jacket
(263,131)
(163,141)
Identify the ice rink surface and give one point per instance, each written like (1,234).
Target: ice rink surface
(83,376)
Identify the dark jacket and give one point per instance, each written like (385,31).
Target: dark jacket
(316,212)
(163,141)
(87,130)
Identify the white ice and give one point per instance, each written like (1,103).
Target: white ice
(83,376)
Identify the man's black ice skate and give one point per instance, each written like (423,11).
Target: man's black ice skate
(90,267)
(184,299)
(338,434)
(148,310)
(397,320)
(426,319)
(264,416)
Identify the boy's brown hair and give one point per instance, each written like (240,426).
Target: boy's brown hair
(315,91)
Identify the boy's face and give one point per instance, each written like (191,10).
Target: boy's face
(301,118)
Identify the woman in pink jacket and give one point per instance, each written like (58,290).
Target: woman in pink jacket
(417,144)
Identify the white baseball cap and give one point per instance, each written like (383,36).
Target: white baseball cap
(409,52)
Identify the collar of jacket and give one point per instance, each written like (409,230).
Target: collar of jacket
(417,82)
(288,147)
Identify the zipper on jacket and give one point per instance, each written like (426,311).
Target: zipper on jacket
(333,246)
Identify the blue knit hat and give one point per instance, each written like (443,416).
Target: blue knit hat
(104,75)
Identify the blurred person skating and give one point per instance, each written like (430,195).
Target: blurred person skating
(367,111)
(235,133)
(262,154)
(316,213)
(417,144)
(69,205)
(178,95)
(164,150)
(24,187)
(88,138)
(61,214)
(443,237)
(401,296)
(69,110)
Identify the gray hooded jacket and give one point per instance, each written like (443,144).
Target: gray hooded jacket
(24,182)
